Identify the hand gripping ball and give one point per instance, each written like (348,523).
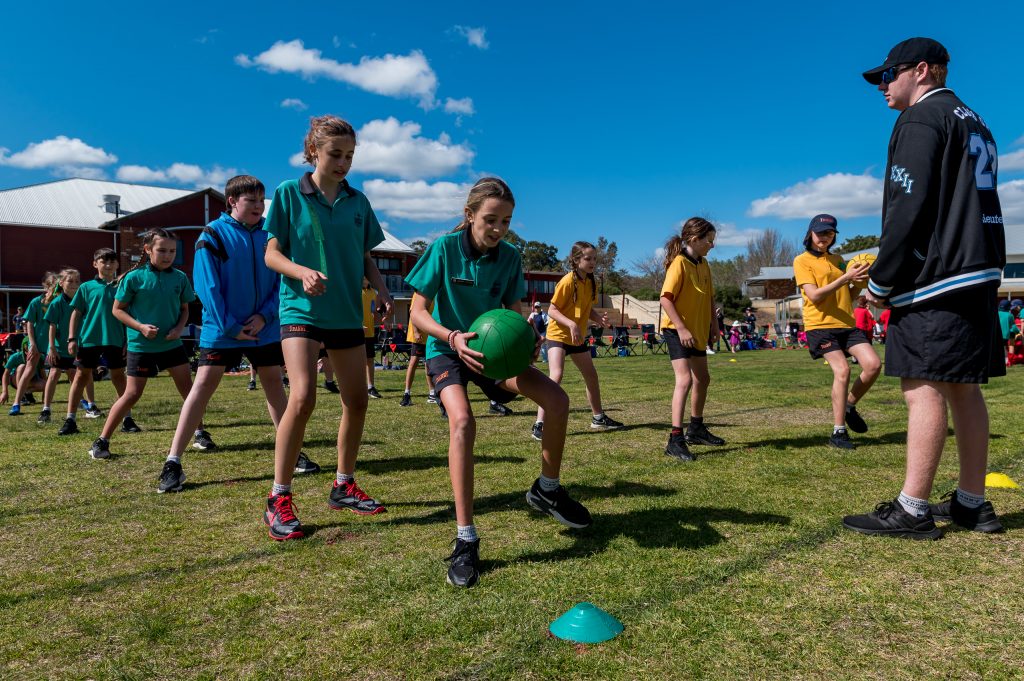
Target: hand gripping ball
(507,342)
(869,258)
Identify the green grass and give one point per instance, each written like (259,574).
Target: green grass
(732,567)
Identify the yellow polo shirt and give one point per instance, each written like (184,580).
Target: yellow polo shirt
(415,335)
(688,285)
(575,299)
(369,328)
(836,311)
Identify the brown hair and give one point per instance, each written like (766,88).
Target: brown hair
(54,289)
(49,289)
(148,237)
(104,254)
(485,188)
(321,128)
(240,185)
(694,228)
(575,254)
(939,73)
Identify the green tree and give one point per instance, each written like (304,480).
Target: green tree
(732,300)
(858,243)
(540,257)
(419,246)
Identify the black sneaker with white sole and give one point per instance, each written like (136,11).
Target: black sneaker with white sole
(331,386)
(464,563)
(100,448)
(373,393)
(129,425)
(980,519)
(252,384)
(93,412)
(854,421)
(537,432)
(406,400)
(841,440)
(677,449)
(203,441)
(172,478)
(891,520)
(499,409)
(604,422)
(700,435)
(559,505)
(432,399)
(305,466)
(70,427)
(44,417)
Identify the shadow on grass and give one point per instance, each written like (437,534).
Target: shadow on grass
(421,463)
(1013,521)
(269,477)
(821,440)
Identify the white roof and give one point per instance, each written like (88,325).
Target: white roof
(77,202)
(770,273)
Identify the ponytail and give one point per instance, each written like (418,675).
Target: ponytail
(673,247)
(148,237)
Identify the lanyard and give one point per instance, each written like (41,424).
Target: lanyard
(318,233)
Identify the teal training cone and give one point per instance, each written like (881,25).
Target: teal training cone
(586,623)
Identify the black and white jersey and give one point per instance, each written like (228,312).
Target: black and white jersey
(942,227)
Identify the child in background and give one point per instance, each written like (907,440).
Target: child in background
(321,233)
(863,319)
(240,316)
(417,348)
(688,324)
(734,337)
(14,371)
(37,332)
(369,298)
(152,302)
(466,273)
(58,317)
(570,311)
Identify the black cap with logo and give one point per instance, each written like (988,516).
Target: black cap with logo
(823,223)
(910,51)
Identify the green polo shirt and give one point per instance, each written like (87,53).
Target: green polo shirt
(59,315)
(15,361)
(350,229)
(464,283)
(40,329)
(154,297)
(95,302)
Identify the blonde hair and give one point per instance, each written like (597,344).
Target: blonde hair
(50,288)
(322,128)
(485,188)
(694,228)
(575,255)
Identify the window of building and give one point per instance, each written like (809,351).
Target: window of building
(540,286)
(1013,270)
(388,264)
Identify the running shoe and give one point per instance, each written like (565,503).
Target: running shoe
(349,496)
(83,404)
(280,518)
(559,505)
(854,421)
(172,478)
(841,440)
(70,427)
(373,392)
(129,425)
(677,448)
(100,448)
(981,519)
(331,386)
(464,563)
(93,412)
(406,400)
(700,435)
(500,409)
(203,441)
(889,519)
(252,384)
(305,466)
(15,410)
(537,432)
(604,422)
(44,417)
(432,399)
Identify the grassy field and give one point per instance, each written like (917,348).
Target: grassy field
(734,567)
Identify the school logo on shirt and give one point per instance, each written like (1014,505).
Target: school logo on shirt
(359,219)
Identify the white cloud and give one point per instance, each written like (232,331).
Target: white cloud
(417,201)
(391,75)
(336,41)
(462,106)
(841,194)
(477,37)
(429,237)
(728,234)
(1011,200)
(297,160)
(389,147)
(57,152)
(296,104)
(1012,161)
(86,172)
(177,173)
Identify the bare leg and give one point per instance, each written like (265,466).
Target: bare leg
(82,378)
(182,377)
(410,372)
(840,383)
(701,381)
(684,379)
(556,367)
(133,391)
(300,356)
(461,437)
(970,420)
(26,374)
(348,364)
(51,386)
(534,385)
(870,368)
(926,434)
(585,364)
(271,378)
(207,380)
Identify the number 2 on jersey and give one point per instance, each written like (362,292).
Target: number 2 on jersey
(986,161)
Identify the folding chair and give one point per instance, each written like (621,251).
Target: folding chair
(622,340)
(650,341)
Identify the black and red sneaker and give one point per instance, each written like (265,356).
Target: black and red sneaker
(349,496)
(280,518)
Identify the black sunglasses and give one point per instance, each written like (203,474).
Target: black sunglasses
(893,72)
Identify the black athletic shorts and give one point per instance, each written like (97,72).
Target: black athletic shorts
(371,347)
(333,339)
(64,363)
(954,338)
(418,350)
(676,349)
(569,349)
(149,364)
(268,355)
(822,341)
(446,370)
(113,356)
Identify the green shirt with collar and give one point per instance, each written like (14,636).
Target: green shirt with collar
(95,302)
(15,361)
(464,283)
(59,315)
(154,297)
(350,229)
(34,313)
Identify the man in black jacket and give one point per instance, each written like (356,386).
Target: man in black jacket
(939,264)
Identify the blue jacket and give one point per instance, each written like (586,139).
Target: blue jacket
(233,283)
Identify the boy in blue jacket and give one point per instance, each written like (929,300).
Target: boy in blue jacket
(240,315)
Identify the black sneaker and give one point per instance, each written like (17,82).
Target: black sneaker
(44,417)
(841,440)
(465,563)
(129,425)
(499,409)
(406,400)
(981,519)
(171,477)
(203,441)
(559,505)
(285,382)
(305,466)
(854,421)
(433,399)
(331,386)
(373,392)
(677,448)
(889,519)
(252,384)
(93,412)
(700,435)
(28,399)
(100,449)
(70,427)
(349,496)
(444,412)
(280,518)
(604,422)
(537,432)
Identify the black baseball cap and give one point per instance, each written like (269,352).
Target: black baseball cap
(910,51)
(823,223)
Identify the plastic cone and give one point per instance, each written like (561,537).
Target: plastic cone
(999,480)
(586,623)
(732,360)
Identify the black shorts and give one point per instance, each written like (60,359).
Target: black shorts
(446,370)
(64,363)
(371,347)
(954,339)
(418,350)
(149,364)
(268,355)
(333,339)
(822,341)
(112,355)
(676,349)
(569,349)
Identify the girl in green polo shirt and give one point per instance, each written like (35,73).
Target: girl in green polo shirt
(466,273)
(36,330)
(57,316)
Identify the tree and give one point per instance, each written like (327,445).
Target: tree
(731,272)
(769,249)
(858,243)
(540,257)
(611,280)
(649,273)
(731,300)
(419,246)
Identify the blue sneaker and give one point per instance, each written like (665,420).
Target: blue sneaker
(15,410)
(84,404)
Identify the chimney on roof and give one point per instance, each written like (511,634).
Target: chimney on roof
(112,204)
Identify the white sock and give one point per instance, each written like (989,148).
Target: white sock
(71,416)
(838,429)
(467,532)
(969,500)
(199,431)
(344,479)
(912,505)
(174,457)
(548,484)
(280,489)
(46,407)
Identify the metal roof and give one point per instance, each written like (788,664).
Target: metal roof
(772,273)
(77,203)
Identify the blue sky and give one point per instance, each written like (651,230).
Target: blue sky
(611,119)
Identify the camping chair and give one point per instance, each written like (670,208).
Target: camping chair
(621,341)
(394,347)
(782,338)
(650,340)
